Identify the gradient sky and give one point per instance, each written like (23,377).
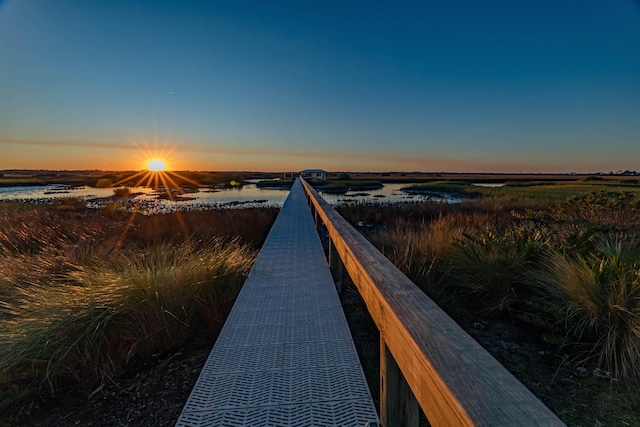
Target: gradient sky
(493,86)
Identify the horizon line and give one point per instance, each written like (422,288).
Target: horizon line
(572,173)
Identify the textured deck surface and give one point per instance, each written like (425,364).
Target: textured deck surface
(285,356)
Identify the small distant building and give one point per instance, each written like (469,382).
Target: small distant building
(318,174)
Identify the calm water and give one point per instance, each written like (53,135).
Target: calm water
(48,192)
(489,184)
(390,193)
(147,200)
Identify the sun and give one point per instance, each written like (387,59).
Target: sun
(156,165)
(157,174)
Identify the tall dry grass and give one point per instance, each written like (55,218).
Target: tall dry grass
(84,293)
(87,322)
(568,270)
(421,250)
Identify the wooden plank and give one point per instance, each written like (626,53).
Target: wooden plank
(455,381)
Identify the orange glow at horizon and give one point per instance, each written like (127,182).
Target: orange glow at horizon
(157,175)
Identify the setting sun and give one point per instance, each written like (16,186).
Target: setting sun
(156,165)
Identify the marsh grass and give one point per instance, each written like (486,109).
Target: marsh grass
(458,188)
(421,250)
(604,209)
(601,296)
(83,325)
(250,225)
(31,229)
(527,193)
(84,294)
(567,270)
(121,192)
(491,266)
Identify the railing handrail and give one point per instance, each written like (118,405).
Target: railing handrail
(454,380)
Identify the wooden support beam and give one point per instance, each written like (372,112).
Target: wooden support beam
(316,218)
(398,405)
(336,266)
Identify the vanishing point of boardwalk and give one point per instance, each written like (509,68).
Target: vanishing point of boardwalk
(285,356)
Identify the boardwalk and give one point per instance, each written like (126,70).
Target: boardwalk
(285,356)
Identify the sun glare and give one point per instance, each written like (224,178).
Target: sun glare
(156,174)
(156,165)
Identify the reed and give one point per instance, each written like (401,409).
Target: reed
(83,325)
(568,270)
(421,250)
(86,293)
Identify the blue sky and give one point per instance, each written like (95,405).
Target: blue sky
(492,86)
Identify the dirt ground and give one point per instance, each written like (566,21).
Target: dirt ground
(150,394)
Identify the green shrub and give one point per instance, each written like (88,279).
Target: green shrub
(604,209)
(491,267)
(600,294)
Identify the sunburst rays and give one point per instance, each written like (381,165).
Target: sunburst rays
(157,176)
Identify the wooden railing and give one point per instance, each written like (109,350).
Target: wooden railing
(426,358)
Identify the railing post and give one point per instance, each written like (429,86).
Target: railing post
(316,218)
(335,265)
(398,405)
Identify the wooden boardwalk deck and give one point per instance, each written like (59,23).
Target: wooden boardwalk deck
(285,356)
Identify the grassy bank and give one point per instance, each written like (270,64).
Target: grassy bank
(527,192)
(565,274)
(334,184)
(86,294)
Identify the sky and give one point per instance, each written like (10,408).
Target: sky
(447,85)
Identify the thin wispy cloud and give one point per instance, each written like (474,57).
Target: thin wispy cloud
(343,159)
(215,150)
(67,144)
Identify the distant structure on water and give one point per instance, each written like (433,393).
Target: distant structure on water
(319,174)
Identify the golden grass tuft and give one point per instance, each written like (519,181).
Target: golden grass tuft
(85,324)
(76,308)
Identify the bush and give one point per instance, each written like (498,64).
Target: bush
(121,192)
(604,209)
(600,294)
(492,266)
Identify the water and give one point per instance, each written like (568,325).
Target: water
(150,201)
(489,184)
(390,193)
(45,193)
(215,198)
